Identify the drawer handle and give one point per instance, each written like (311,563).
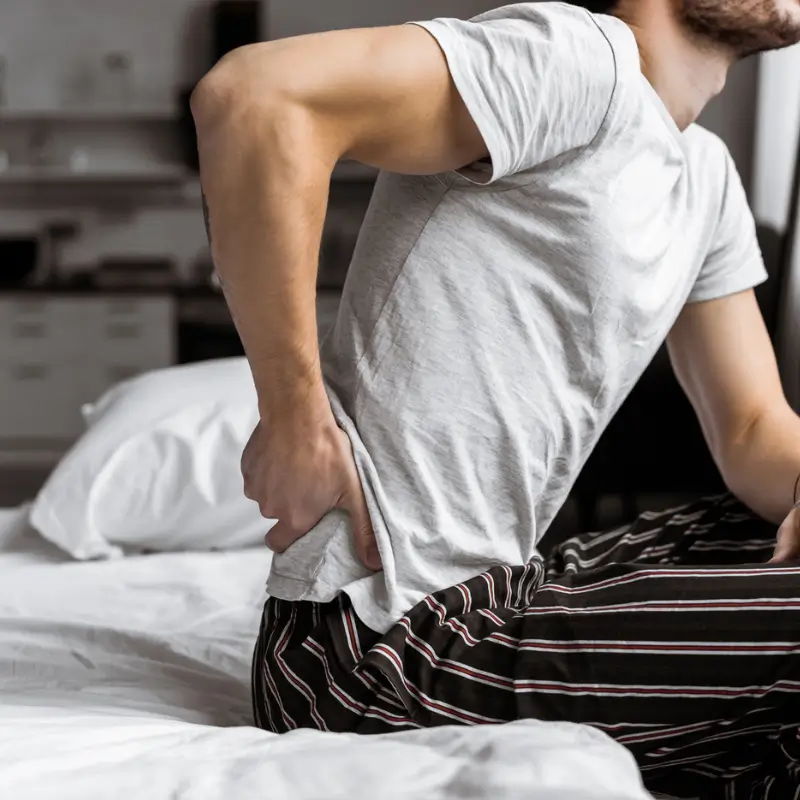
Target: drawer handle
(29,330)
(123,307)
(123,330)
(30,372)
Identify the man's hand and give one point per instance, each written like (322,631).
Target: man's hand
(297,473)
(788,547)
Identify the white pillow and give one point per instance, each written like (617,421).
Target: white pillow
(158,467)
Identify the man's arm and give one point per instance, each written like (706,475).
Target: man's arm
(272,121)
(725,362)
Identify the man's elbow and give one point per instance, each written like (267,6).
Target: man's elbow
(242,81)
(731,449)
(741,446)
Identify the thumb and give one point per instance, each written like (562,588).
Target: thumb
(784,548)
(280,536)
(782,553)
(363,533)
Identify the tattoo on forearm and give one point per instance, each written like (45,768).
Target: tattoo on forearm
(206,216)
(207,219)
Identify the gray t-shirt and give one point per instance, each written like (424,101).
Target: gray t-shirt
(495,319)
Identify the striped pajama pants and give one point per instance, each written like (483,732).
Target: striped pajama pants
(670,634)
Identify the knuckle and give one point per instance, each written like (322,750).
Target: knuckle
(244,461)
(292,519)
(294,525)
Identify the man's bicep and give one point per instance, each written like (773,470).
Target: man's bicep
(382,96)
(724,360)
(410,117)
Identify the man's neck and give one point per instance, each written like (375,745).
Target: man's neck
(685,72)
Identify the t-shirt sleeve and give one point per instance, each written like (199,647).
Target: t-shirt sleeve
(537,80)
(734,262)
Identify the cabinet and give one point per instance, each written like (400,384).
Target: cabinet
(59,352)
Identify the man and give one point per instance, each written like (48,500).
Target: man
(548,215)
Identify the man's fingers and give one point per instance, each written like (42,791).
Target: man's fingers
(281,536)
(785,549)
(352,501)
(363,534)
(782,553)
(247,452)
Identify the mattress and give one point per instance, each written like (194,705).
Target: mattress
(130,678)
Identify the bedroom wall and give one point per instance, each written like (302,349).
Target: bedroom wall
(54,48)
(54,54)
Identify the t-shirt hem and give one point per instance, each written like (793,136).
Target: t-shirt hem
(366,609)
(295,590)
(754,274)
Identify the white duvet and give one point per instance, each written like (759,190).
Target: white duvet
(130,679)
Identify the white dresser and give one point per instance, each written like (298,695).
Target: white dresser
(60,351)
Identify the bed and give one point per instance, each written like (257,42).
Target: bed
(130,677)
(131,590)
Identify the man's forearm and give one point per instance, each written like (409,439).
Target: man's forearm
(265,195)
(761,467)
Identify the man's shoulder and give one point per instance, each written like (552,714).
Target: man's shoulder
(572,41)
(715,178)
(705,143)
(709,157)
(555,19)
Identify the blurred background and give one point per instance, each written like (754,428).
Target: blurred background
(104,267)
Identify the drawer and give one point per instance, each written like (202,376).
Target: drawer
(40,329)
(130,306)
(131,329)
(146,311)
(52,311)
(39,400)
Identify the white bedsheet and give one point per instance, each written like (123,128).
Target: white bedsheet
(130,678)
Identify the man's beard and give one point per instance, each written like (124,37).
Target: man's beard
(743,27)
